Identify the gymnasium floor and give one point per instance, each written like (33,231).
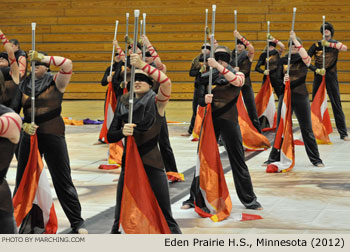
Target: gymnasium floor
(305,200)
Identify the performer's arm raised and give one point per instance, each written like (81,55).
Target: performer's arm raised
(154,54)
(337,45)
(234,79)
(164,91)
(62,78)
(11,57)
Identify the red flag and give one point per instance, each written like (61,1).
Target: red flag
(175,176)
(321,122)
(265,104)
(252,139)
(34,188)
(284,136)
(140,212)
(213,199)
(198,123)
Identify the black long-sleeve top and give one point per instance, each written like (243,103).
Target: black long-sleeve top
(331,58)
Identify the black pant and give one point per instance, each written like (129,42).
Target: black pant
(54,150)
(160,187)
(231,135)
(165,148)
(332,87)
(301,107)
(194,109)
(249,101)
(7,223)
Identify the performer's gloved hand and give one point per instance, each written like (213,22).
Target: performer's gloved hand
(128,129)
(286,78)
(203,68)
(135,60)
(269,36)
(236,69)
(325,43)
(321,71)
(35,56)
(129,40)
(207,30)
(266,72)
(30,128)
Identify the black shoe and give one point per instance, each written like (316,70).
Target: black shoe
(255,206)
(187,204)
(266,163)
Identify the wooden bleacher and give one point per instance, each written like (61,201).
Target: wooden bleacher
(82,30)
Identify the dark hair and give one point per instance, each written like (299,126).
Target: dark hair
(15,42)
(329,27)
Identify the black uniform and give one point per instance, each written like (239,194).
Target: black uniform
(225,121)
(52,145)
(7,148)
(301,106)
(146,133)
(195,72)
(275,70)
(332,84)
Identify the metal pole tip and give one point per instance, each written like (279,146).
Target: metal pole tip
(136,13)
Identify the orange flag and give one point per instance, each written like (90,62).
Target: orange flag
(34,188)
(140,212)
(213,198)
(198,123)
(321,122)
(265,104)
(284,136)
(115,151)
(252,139)
(111,104)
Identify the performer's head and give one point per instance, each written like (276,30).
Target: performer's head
(143,83)
(329,30)
(4,61)
(222,55)
(294,48)
(41,68)
(116,57)
(206,48)
(240,45)
(15,45)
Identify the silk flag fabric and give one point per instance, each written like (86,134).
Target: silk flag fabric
(284,136)
(252,139)
(321,122)
(110,106)
(115,150)
(140,212)
(212,197)
(34,188)
(265,104)
(198,123)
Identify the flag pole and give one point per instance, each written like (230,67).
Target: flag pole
(212,47)
(324,38)
(126,47)
(267,47)
(236,53)
(144,33)
(115,37)
(205,35)
(33,77)
(290,41)
(131,92)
